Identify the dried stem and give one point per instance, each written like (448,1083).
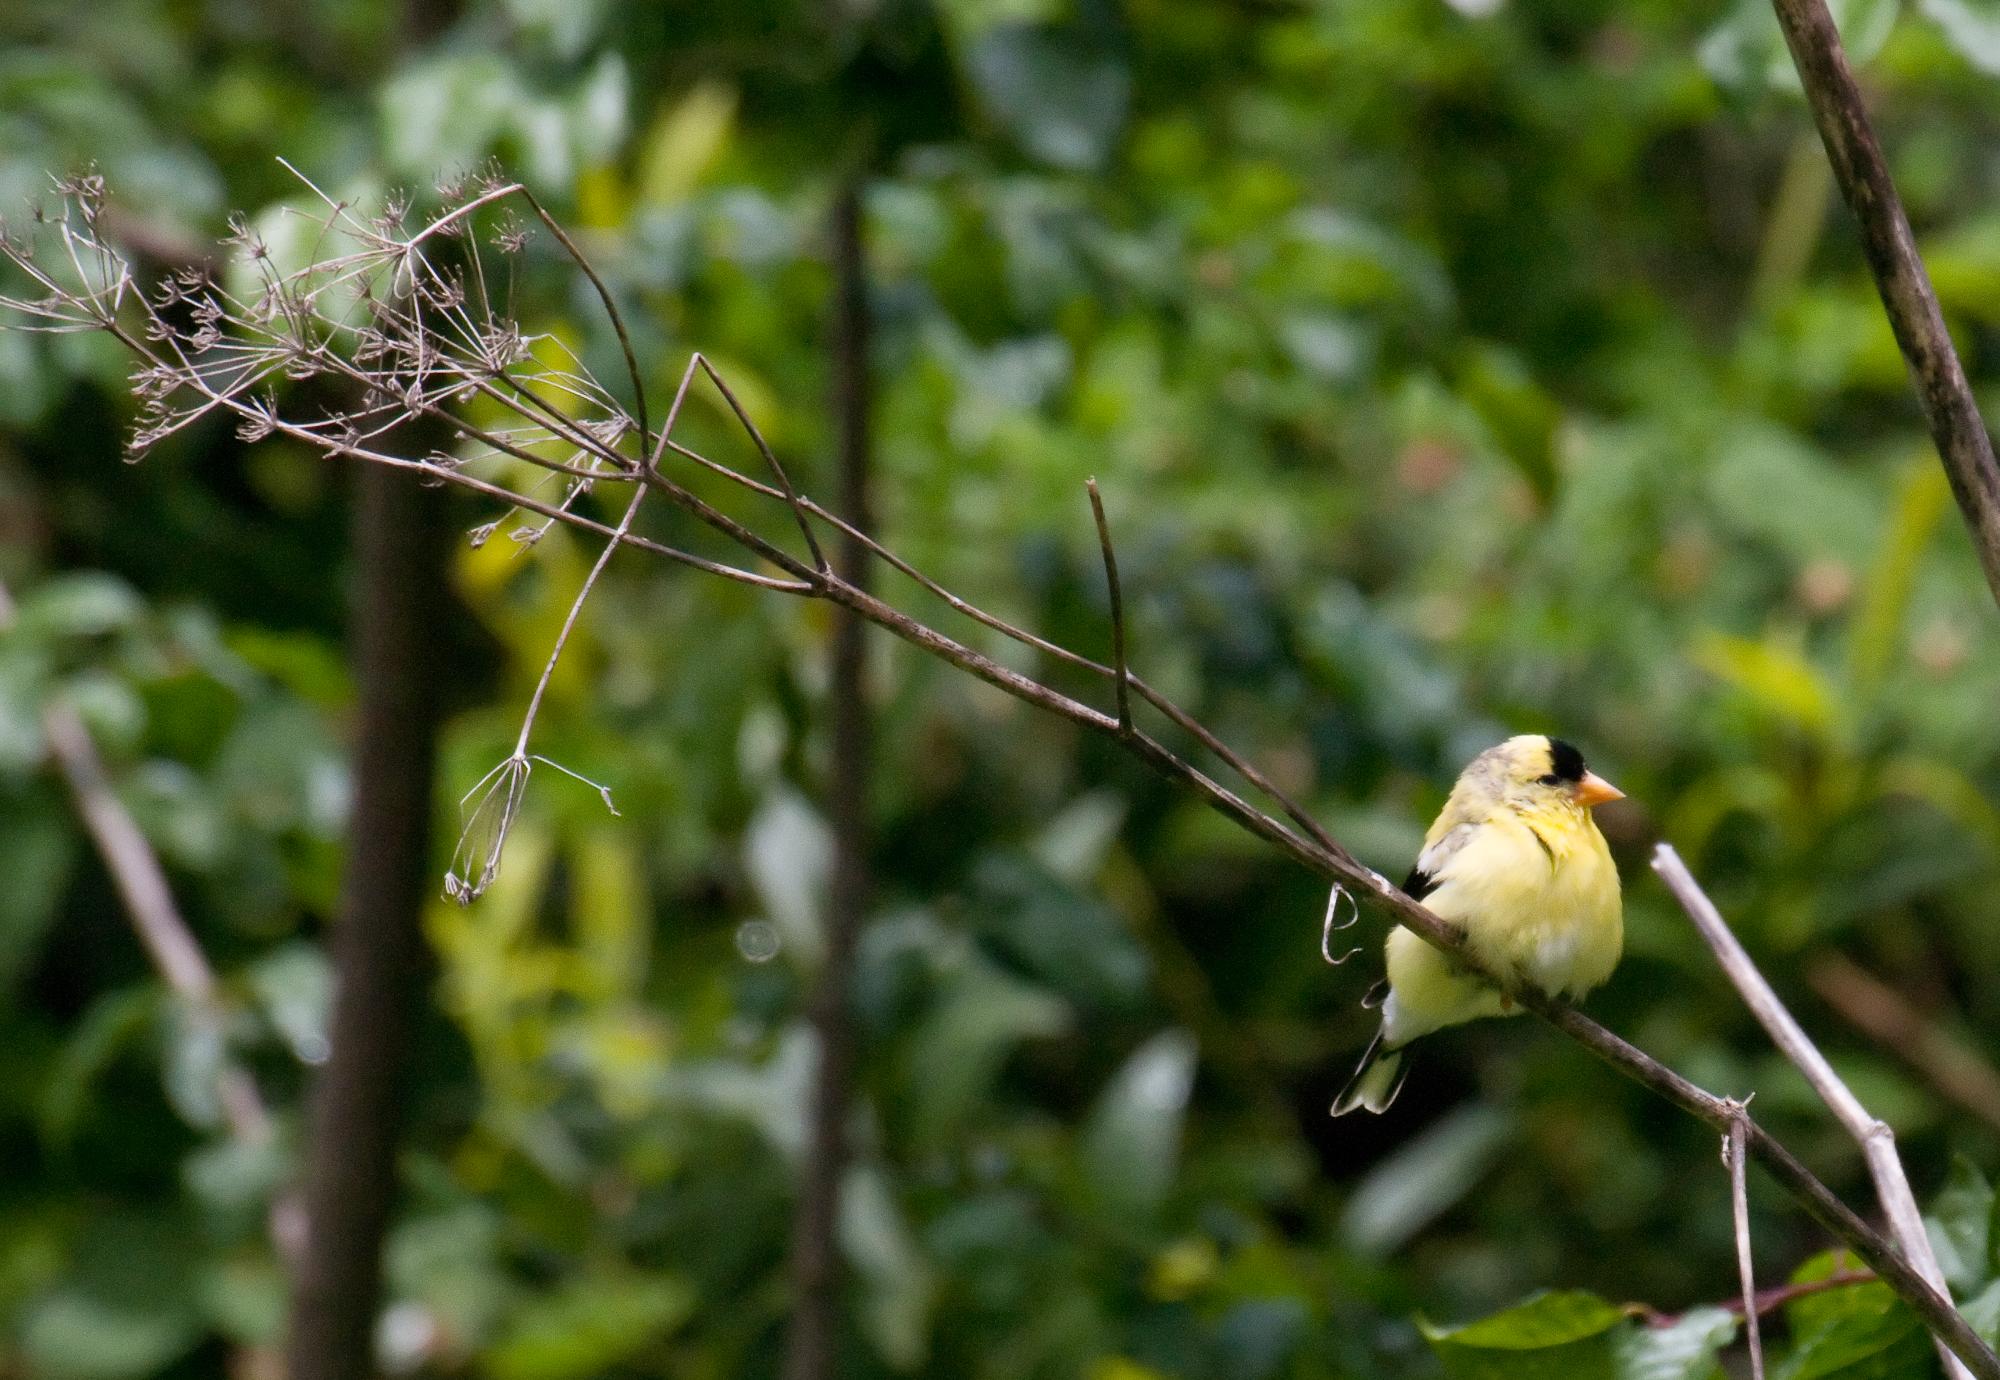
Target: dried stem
(428,343)
(1907,296)
(1872,1134)
(1765,1300)
(1121,674)
(1734,1159)
(611,312)
(770,458)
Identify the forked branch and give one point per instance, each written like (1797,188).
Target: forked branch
(1872,1134)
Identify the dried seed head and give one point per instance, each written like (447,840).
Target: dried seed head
(475,860)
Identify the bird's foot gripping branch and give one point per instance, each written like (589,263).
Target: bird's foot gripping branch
(399,326)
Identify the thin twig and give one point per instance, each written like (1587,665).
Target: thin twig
(1734,1159)
(1765,1300)
(617,319)
(770,458)
(1907,295)
(1294,811)
(1952,1066)
(1871,1133)
(149,899)
(1121,672)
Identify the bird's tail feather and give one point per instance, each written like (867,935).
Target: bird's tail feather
(1376,1081)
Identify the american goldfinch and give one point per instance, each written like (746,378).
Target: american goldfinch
(1515,861)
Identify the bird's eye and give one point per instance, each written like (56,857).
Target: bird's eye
(1550,780)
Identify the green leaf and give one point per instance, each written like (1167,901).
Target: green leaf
(1424,1178)
(1814,1312)
(588,1325)
(1889,1345)
(896,1281)
(1777,679)
(24,677)
(1960,1226)
(1131,1143)
(38,848)
(445,114)
(1983,1312)
(127,1307)
(1884,605)
(85,604)
(788,852)
(1551,1336)
(1061,97)
(957,1050)
(684,143)
(1971,26)
(1684,1350)
(108,1027)
(294,986)
(1062,936)
(73,1336)
(1519,413)
(1748,49)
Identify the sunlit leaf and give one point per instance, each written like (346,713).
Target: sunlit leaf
(1684,1350)
(1131,1144)
(1548,1337)
(1972,26)
(1424,1178)
(896,1279)
(1062,98)
(588,1325)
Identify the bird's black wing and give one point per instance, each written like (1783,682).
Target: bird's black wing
(1419,884)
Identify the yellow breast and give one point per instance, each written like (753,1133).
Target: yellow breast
(1537,898)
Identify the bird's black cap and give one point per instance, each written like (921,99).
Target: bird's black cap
(1565,760)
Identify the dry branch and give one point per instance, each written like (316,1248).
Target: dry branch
(1875,1137)
(1907,296)
(426,337)
(1734,1159)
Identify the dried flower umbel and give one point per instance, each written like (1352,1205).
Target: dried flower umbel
(400,326)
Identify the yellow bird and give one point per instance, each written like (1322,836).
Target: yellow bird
(1515,861)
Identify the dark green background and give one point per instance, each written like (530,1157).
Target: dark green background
(1447,375)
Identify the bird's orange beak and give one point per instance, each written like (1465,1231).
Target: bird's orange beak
(1595,790)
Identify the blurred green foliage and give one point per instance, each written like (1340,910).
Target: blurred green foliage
(1450,370)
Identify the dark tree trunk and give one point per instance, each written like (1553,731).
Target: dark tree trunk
(378,951)
(814,1335)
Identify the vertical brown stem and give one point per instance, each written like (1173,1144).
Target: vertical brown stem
(810,1347)
(377,943)
(1907,296)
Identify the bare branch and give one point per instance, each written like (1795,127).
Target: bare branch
(1907,295)
(1873,1135)
(610,310)
(770,458)
(1734,1159)
(1121,673)
(1765,1300)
